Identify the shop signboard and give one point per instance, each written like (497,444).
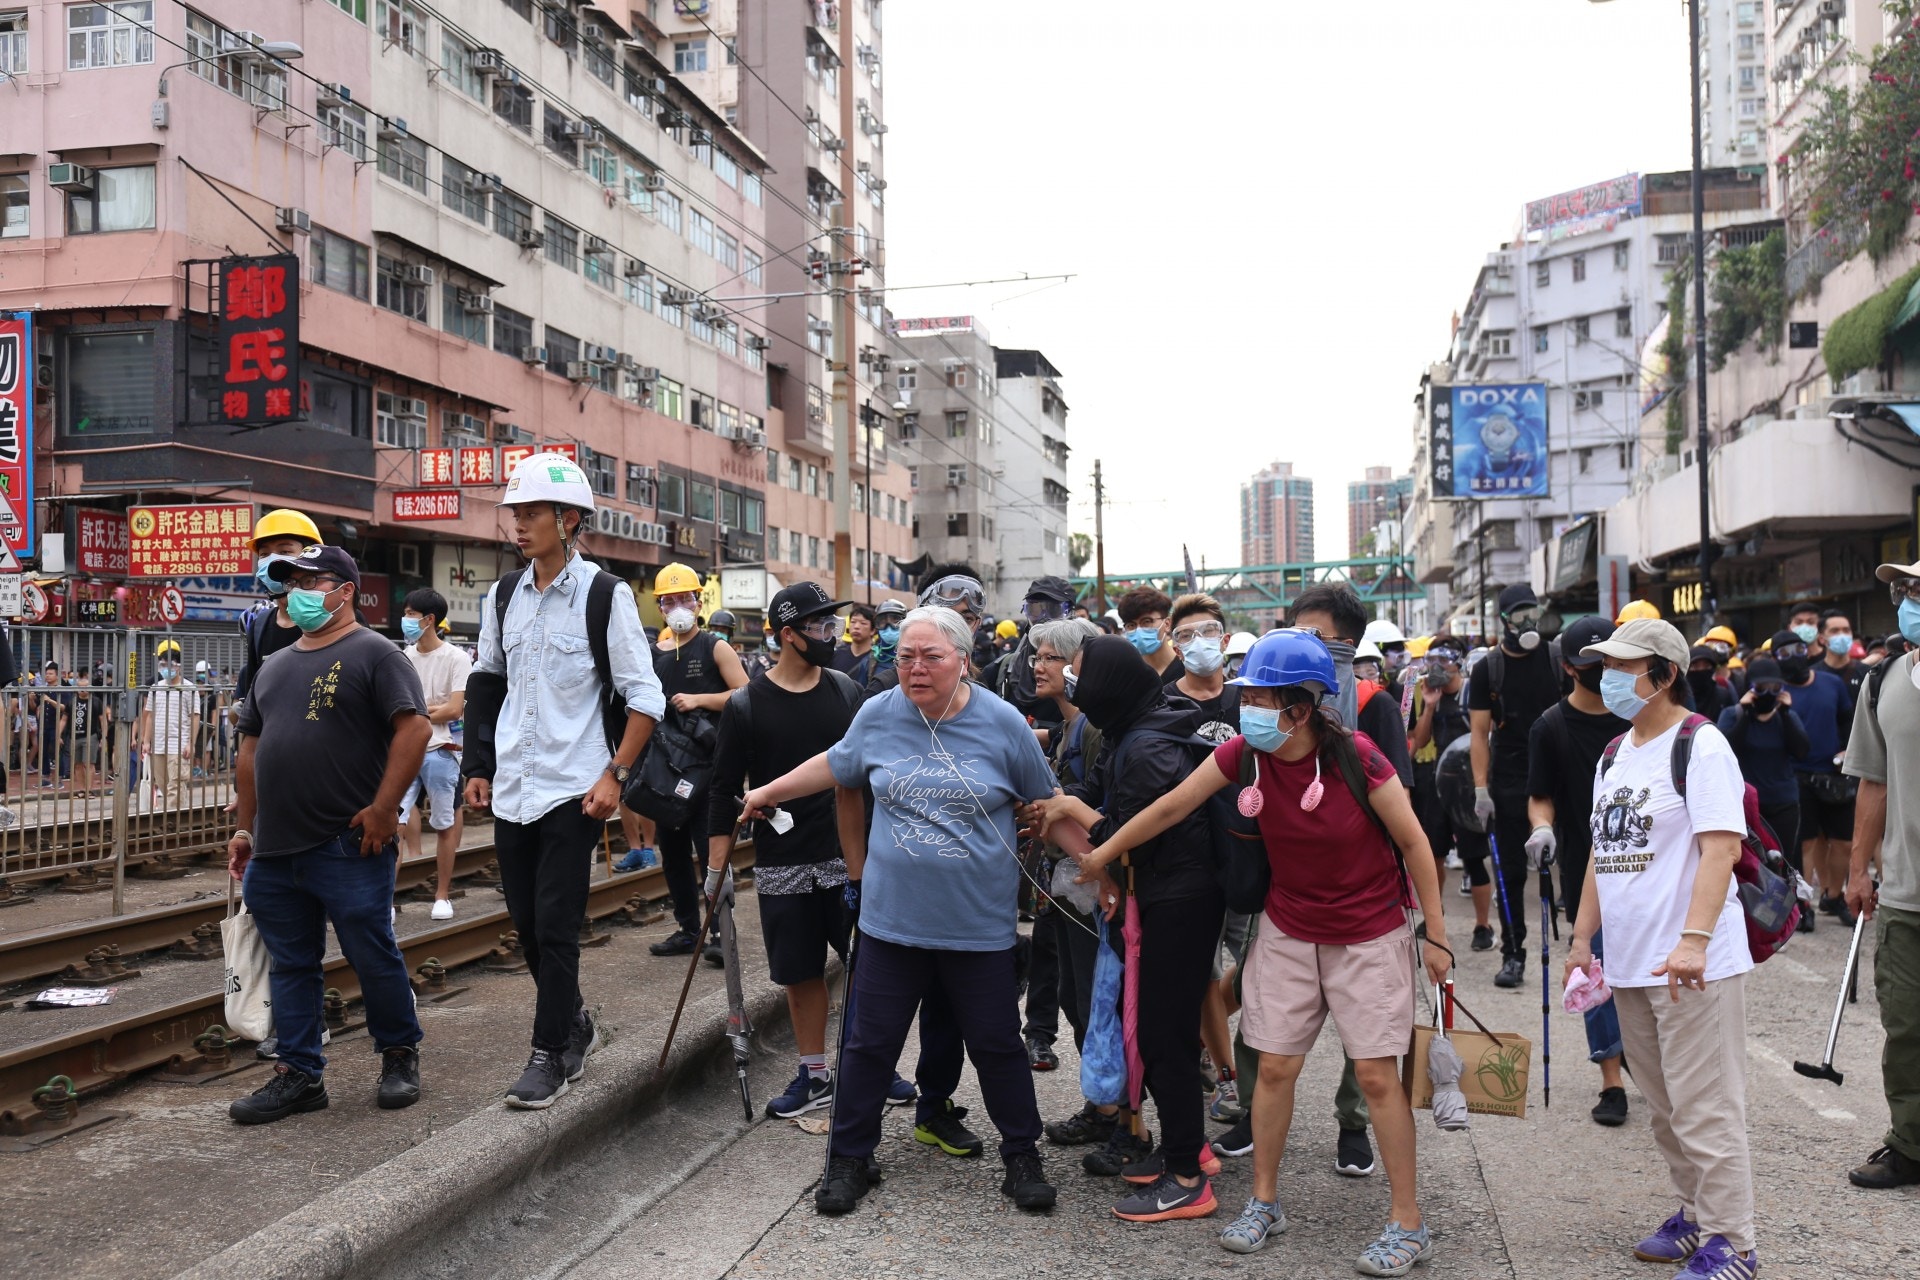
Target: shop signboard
(16,432)
(187,541)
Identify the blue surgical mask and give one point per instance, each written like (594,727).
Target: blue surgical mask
(1260,726)
(1840,645)
(1616,690)
(267,584)
(1910,621)
(1202,656)
(1145,639)
(1806,632)
(308,609)
(889,636)
(410,628)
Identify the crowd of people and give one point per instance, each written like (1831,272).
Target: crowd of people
(1237,824)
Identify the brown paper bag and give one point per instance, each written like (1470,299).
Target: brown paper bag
(1495,1080)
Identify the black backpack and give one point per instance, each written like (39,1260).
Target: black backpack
(487,693)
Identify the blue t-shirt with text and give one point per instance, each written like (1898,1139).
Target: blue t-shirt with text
(1823,707)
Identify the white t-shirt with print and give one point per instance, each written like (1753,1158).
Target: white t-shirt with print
(1646,853)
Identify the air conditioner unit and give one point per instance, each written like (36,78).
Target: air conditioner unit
(332,95)
(878,184)
(831,144)
(635,268)
(242,42)
(728,431)
(672,297)
(629,527)
(406,560)
(639,471)
(533,355)
(392,129)
(698,137)
(294,220)
(412,410)
(581,131)
(487,182)
(864,166)
(755,342)
(1835,9)
(478,304)
(606,519)
(582,371)
(626,362)
(532,239)
(654,182)
(877,129)
(489,62)
(755,437)
(673,118)
(70,177)
(414,273)
(505,432)
(596,354)
(647,373)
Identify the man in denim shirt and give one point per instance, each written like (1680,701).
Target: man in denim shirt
(553,785)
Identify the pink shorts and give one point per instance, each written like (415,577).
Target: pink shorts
(1290,986)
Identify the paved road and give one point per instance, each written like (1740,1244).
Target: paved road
(1551,1195)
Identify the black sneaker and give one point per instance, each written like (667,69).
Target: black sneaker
(399,1077)
(1611,1110)
(677,943)
(715,956)
(1835,907)
(1040,1055)
(1121,1149)
(584,1040)
(1353,1158)
(1513,971)
(1026,1182)
(1806,919)
(1237,1141)
(841,1189)
(943,1130)
(1483,937)
(286,1092)
(542,1084)
(1083,1127)
(1884,1170)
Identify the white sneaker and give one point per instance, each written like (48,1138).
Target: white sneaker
(393,915)
(442,909)
(1453,860)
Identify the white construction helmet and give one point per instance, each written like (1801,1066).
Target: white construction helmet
(1239,644)
(548,477)
(1383,633)
(1368,652)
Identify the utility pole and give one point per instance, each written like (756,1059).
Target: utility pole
(1099,539)
(1708,551)
(840,270)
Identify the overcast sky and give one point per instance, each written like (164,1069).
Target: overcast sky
(1271,207)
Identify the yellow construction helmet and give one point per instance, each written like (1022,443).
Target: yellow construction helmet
(1418,646)
(1724,635)
(1007,629)
(165,647)
(1635,610)
(674,579)
(285,523)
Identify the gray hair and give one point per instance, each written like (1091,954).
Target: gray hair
(953,627)
(1065,636)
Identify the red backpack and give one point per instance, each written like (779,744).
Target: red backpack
(1764,879)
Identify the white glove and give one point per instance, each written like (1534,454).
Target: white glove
(1482,805)
(714,876)
(1541,846)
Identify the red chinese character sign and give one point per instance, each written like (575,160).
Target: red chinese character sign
(190,542)
(101,540)
(259,334)
(426,504)
(16,432)
(436,466)
(476,465)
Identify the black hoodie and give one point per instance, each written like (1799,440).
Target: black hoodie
(1124,699)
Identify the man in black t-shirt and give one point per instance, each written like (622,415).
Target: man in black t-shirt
(1507,692)
(1563,751)
(334,731)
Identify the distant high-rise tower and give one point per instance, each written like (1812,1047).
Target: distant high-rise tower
(1378,498)
(1276,517)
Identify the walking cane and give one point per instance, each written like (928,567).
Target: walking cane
(1546,991)
(1825,1071)
(840,1049)
(693,961)
(1500,883)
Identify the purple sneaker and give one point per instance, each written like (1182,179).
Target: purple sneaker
(1675,1241)
(1716,1260)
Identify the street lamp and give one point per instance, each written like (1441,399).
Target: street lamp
(1701,442)
(281,51)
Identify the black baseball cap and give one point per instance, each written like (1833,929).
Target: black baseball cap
(317,559)
(795,604)
(1517,596)
(1580,633)
(1050,588)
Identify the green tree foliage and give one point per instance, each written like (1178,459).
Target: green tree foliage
(1749,288)
(1858,157)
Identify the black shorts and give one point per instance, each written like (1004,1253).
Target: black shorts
(798,928)
(1820,817)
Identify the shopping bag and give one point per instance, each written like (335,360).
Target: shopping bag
(1496,1068)
(249,1010)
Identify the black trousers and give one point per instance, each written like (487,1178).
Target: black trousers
(1177,941)
(544,868)
(685,867)
(889,982)
(1043,978)
(1785,821)
(1511,828)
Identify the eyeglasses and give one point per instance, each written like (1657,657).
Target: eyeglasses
(1036,661)
(313,582)
(923,659)
(1199,631)
(1903,589)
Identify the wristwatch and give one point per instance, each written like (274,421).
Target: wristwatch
(620,772)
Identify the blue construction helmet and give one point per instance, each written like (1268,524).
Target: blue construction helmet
(1285,657)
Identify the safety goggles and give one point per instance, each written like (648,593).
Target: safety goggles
(1042,609)
(957,592)
(1794,650)
(679,600)
(1189,632)
(826,627)
(1527,615)
(1902,589)
(1767,688)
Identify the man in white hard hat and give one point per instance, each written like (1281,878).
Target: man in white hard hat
(1238,646)
(1386,637)
(555,725)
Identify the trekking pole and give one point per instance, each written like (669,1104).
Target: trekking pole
(693,961)
(840,1049)
(1500,883)
(1546,991)
(1825,1071)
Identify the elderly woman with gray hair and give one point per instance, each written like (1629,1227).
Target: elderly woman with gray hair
(948,764)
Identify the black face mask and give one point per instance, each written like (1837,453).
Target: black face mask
(1705,691)
(1589,677)
(1794,669)
(817,652)
(1765,702)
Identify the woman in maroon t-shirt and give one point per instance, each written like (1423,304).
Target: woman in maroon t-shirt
(1334,935)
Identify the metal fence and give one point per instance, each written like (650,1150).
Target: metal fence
(106,767)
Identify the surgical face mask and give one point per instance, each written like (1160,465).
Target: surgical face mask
(889,636)
(1616,690)
(267,584)
(308,609)
(1806,632)
(168,670)
(1909,616)
(1202,657)
(1589,677)
(1145,639)
(410,628)
(1840,644)
(1260,726)
(680,620)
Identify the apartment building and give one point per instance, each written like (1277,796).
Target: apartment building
(1733,82)
(1031,443)
(518,226)
(1276,517)
(1380,497)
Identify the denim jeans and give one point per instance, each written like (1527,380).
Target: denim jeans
(1603,1021)
(292,897)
